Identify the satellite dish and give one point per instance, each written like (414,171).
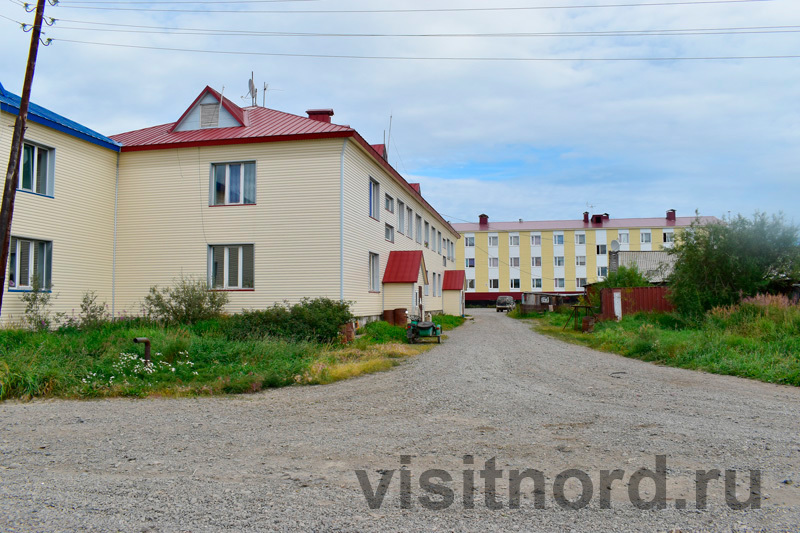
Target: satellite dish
(252,87)
(615,245)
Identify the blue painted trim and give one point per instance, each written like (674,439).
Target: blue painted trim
(33,117)
(35,193)
(28,290)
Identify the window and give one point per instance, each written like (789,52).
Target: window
(410,218)
(233,183)
(669,236)
(536,240)
(580,260)
(494,283)
(374,272)
(374,199)
(558,238)
(470,262)
(401,217)
(419,229)
(427,234)
(624,238)
(36,170)
(427,276)
(494,262)
(536,261)
(29,259)
(435,284)
(230,266)
(580,238)
(513,240)
(439,242)
(536,283)
(493,240)
(209,115)
(558,260)
(602,272)
(559,283)
(601,249)
(645,237)
(452,246)
(470,283)
(389,233)
(389,203)
(514,283)
(513,262)
(469,242)
(580,282)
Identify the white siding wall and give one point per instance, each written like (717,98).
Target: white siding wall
(79,219)
(166,224)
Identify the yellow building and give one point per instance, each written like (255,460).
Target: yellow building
(265,205)
(559,256)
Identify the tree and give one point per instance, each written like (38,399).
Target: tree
(622,277)
(722,262)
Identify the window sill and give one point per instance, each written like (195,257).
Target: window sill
(29,290)
(231,205)
(373,218)
(232,290)
(374,292)
(36,193)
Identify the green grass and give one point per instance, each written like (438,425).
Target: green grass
(187,360)
(749,341)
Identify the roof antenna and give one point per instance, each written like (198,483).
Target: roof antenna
(390,137)
(219,108)
(264,96)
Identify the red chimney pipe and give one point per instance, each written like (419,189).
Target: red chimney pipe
(586,217)
(605,216)
(321,115)
(671,215)
(484,220)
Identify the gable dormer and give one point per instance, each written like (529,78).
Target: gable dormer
(210,110)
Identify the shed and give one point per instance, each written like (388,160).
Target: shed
(453,287)
(403,279)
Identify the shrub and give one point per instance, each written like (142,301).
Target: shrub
(382,332)
(187,302)
(313,320)
(37,307)
(92,314)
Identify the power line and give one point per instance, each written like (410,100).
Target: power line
(246,33)
(419,58)
(421,10)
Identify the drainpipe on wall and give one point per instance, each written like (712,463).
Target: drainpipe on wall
(114,253)
(341,223)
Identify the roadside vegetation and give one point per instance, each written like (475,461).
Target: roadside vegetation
(196,350)
(732,314)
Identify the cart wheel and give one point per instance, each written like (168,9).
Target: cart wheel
(439,339)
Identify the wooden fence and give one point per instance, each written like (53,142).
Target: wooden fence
(633,300)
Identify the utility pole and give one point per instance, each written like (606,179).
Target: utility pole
(10,190)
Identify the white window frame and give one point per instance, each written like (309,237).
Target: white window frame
(401,217)
(48,173)
(426,286)
(15,264)
(226,266)
(536,261)
(536,240)
(511,283)
(558,260)
(374,198)
(536,283)
(558,239)
(602,249)
(227,199)
(580,238)
(626,239)
(467,260)
(427,234)
(559,283)
(601,273)
(649,237)
(470,284)
(469,242)
(512,261)
(513,240)
(580,282)
(496,261)
(668,236)
(418,227)
(389,233)
(410,219)
(580,260)
(439,242)
(495,282)
(374,272)
(388,203)
(495,239)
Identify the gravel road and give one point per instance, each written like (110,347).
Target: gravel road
(285,459)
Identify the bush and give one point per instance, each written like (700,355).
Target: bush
(187,302)
(313,320)
(382,332)
(37,307)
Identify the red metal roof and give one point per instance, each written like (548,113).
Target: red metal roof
(545,225)
(454,280)
(403,266)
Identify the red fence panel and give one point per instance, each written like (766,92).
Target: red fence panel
(634,300)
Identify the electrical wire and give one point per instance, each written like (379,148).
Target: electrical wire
(420,58)
(67,5)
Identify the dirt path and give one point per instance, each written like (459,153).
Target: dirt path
(285,459)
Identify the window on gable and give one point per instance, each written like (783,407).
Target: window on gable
(374,199)
(36,170)
(29,260)
(233,183)
(209,115)
(389,203)
(374,272)
(231,266)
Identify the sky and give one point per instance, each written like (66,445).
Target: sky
(539,110)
